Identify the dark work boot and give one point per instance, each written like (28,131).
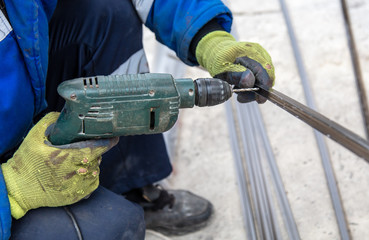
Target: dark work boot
(172,212)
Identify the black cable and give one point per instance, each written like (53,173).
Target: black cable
(75,224)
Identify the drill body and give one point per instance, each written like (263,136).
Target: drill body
(118,105)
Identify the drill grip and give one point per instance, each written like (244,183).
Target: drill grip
(121,105)
(108,106)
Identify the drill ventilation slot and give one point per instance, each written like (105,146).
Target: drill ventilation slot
(152,118)
(90,82)
(83,127)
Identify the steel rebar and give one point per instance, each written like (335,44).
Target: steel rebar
(356,67)
(242,182)
(328,169)
(287,214)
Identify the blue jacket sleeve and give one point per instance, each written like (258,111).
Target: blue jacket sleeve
(5,217)
(30,22)
(175,23)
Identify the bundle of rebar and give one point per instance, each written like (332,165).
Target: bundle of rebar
(260,183)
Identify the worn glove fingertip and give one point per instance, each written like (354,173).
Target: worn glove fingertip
(16,210)
(247,79)
(246,97)
(260,99)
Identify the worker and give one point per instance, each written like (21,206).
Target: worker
(68,192)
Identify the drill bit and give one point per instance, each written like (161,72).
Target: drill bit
(245,90)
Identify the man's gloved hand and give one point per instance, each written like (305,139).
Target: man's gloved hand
(42,175)
(242,64)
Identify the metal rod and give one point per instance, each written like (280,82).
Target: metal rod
(327,165)
(238,90)
(253,128)
(242,182)
(254,164)
(286,211)
(316,120)
(251,188)
(248,172)
(357,70)
(259,214)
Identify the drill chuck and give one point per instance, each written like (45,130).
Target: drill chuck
(211,91)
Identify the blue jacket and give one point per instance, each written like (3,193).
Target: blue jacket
(24,59)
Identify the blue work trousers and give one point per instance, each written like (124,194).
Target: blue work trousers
(88,38)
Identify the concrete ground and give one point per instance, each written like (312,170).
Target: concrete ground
(199,143)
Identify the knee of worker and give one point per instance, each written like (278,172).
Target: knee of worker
(127,223)
(133,227)
(106,215)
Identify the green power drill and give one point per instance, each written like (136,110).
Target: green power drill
(117,105)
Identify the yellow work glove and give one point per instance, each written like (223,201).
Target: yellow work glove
(42,175)
(242,64)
